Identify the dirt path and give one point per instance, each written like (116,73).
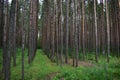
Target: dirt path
(82,63)
(70,62)
(52,75)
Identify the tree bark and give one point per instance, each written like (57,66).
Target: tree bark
(73,31)
(76,33)
(33,31)
(10,39)
(61,31)
(14,33)
(1,22)
(5,28)
(83,28)
(96,33)
(108,30)
(67,31)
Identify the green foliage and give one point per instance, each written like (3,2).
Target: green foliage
(37,70)
(82,73)
(102,71)
(42,67)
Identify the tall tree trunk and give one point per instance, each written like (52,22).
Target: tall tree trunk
(14,34)
(67,31)
(53,33)
(1,21)
(29,35)
(5,35)
(79,24)
(83,27)
(24,21)
(108,30)
(103,28)
(119,27)
(73,31)
(61,31)
(56,24)
(96,33)
(48,27)
(23,49)
(33,31)
(76,33)
(10,39)
(117,21)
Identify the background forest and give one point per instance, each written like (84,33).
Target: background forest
(59,39)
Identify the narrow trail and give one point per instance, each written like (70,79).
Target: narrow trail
(70,62)
(52,75)
(82,63)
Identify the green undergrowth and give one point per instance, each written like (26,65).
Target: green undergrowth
(101,71)
(37,70)
(42,67)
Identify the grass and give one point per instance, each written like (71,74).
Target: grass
(102,71)
(37,70)
(42,67)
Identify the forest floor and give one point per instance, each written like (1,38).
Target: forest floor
(82,63)
(43,69)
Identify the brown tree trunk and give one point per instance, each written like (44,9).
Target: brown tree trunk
(76,33)
(56,24)
(108,30)
(53,32)
(33,31)
(61,32)
(103,28)
(14,34)
(117,31)
(5,28)
(83,28)
(1,22)
(96,33)
(73,31)
(67,31)
(10,39)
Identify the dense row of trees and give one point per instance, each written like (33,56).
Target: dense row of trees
(14,25)
(71,28)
